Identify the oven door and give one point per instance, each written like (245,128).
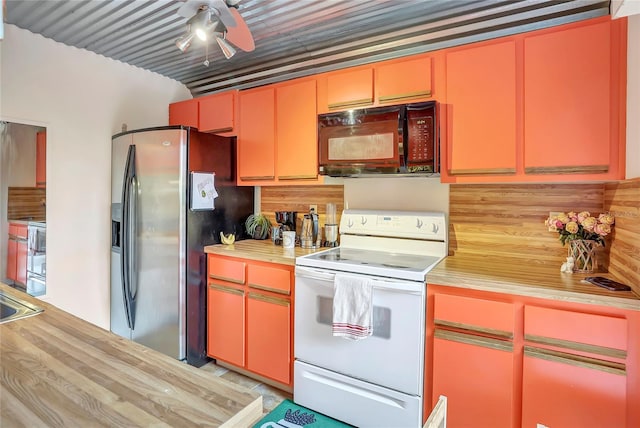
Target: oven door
(393,357)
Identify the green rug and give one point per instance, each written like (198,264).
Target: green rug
(290,415)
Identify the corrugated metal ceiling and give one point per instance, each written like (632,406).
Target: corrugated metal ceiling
(293,38)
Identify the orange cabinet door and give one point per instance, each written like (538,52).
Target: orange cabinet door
(477,380)
(405,81)
(349,89)
(567,90)
(269,337)
(563,392)
(41,159)
(296,125)
(225,324)
(481,109)
(12,256)
(256,139)
(184,113)
(216,113)
(21,262)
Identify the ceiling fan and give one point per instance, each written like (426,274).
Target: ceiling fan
(217,20)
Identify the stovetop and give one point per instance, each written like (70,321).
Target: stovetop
(392,244)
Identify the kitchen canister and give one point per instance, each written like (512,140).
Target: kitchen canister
(288,239)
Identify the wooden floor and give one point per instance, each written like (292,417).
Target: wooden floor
(271,396)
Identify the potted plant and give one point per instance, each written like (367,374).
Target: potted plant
(257,226)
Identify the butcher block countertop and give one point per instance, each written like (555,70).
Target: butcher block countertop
(260,250)
(59,370)
(472,272)
(513,277)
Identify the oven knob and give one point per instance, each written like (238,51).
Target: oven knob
(363,220)
(434,228)
(350,223)
(419,223)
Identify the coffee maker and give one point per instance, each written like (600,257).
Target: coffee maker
(286,222)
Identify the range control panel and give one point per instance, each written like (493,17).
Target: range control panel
(398,224)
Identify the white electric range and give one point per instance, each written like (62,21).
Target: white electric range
(377,381)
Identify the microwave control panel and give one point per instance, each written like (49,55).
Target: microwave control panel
(421,142)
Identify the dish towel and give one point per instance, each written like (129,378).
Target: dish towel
(352,307)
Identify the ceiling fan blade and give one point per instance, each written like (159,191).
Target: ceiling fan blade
(240,35)
(190,8)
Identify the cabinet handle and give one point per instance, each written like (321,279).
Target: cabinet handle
(226,279)
(585,169)
(575,360)
(226,289)
(483,171)
(409,95)
(297,177)
(485,342)
(273,290)
(474,329)
(269,299)
(257,177)
(354,103)
(576,346)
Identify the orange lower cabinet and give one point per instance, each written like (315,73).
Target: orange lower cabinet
(562,390)
(12,255)
(476,375)
(225,324)
(21,262)
(268,336)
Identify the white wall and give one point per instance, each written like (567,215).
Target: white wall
(633,97)
(82,99)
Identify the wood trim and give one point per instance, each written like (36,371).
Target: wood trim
(485,342)
(257,177)
(269,299)
(575,360)
(297,177)
(483,171)
(354,103)
(581,347)
(474,329)
(273,290)
(399,97)
(226,279)
(584,169)
(226,289)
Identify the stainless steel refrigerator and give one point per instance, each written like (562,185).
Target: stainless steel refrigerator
(159,227)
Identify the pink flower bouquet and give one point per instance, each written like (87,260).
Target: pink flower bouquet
(572,226)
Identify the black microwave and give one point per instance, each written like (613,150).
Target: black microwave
(399,139)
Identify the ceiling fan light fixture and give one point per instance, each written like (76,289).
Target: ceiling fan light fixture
(227,50)
(183,42)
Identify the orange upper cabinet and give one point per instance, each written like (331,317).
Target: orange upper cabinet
(404,81)
(256,137)
(41,159)
(345,89)
(184,113)
(217,112)
(481,110)
(567,98)
(296,124)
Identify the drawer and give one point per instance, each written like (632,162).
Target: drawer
(564,328)
(484,316)
(275,279)
(226,270)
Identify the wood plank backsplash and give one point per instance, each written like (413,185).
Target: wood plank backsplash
(26,203)
(508,220)
(298,198)
(622,199)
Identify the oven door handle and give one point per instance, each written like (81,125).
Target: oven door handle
(326,280)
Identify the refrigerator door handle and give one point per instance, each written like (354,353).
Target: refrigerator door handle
(127,252)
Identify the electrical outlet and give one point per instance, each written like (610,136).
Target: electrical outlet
(314,208)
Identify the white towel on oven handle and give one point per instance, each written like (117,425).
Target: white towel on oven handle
(352,307)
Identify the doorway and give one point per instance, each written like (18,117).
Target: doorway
(22,197)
